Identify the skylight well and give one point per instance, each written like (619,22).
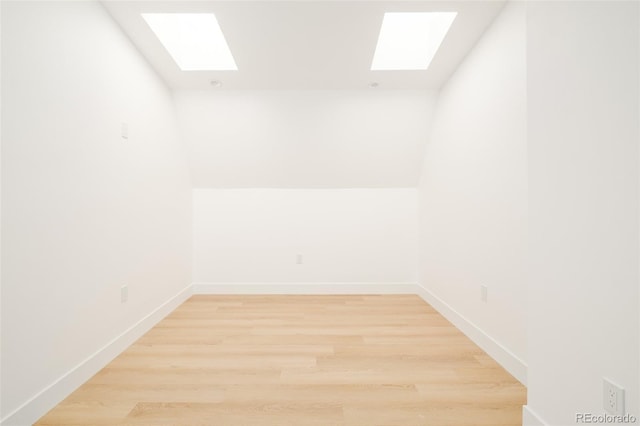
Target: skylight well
(194,40)
(409,41)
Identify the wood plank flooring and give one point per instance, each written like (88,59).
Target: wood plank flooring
(361,360)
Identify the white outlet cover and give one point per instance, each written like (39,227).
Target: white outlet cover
(124,293)
(484,293)
(613,398)
(125,131)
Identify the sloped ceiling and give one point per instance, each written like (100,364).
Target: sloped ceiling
(305,44)
(305,139)
(298,113)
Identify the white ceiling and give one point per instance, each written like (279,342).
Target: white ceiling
(305,44)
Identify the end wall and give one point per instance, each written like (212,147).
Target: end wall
(343,235)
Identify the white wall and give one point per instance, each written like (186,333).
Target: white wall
(344,235)
(305,139)
(83,211)
(583,174)
(473,192)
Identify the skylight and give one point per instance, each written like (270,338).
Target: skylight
(194,40)
(409,41)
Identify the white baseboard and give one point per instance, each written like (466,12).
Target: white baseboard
(531,418)
(40,404)
(305,288)
(29,412)
(503,356)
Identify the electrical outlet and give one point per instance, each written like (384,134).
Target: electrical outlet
(613,398)
(124,293)
(483,293)
(299,259)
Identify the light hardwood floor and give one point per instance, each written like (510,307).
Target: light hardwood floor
(298,360)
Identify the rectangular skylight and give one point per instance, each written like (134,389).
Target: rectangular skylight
(194,40)
(409,41)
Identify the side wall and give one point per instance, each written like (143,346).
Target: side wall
(84,211)
(473,194)
(583,134)
(343,235)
